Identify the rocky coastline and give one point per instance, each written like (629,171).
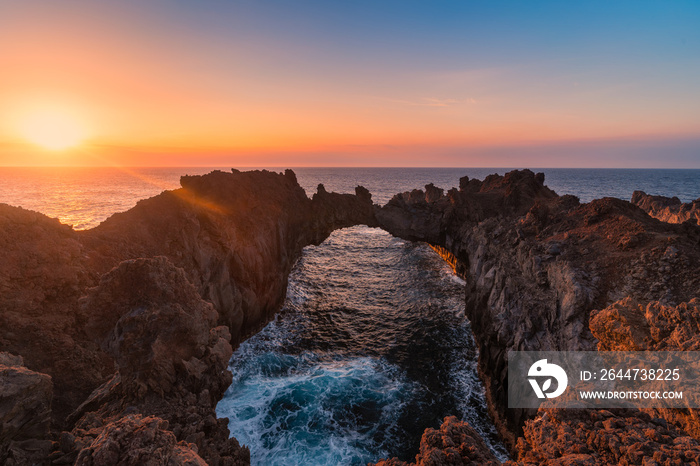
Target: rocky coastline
(126,329)
(668,209)
(115,341)
(545,272)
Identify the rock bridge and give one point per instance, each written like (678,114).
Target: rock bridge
(161,293)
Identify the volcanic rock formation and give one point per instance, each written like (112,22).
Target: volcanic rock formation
(126,329)
(25,412)
(454,443)
(668,209)
(134,320)
(538,267)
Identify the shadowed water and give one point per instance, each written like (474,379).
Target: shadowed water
(370,349)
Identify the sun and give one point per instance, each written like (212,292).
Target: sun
(52,129)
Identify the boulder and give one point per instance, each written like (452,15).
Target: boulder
(25,411)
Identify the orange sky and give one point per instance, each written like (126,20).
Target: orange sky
(166,85)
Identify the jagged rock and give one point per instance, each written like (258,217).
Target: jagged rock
(628,326)
(537,265)
(620,327)
(432,193)
(171,360)
(595,437)
(150,319)
(668,209)
(454,443)
(42,274)
(137,440)
(235,235)
(25,412)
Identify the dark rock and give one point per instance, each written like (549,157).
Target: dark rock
(25,410)
(161,292)
(433,193)
(171,359)
(66,442)
(596,254)
(454,443)
(155,320)
(236,235)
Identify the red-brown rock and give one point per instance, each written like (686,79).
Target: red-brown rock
(137,440)
(455,443)
(668,209)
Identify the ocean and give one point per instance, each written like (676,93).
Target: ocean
(83,197)
(372,345)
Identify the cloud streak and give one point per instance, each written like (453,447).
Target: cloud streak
(433,102)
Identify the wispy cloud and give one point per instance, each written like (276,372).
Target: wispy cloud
(433,102)
(474,76)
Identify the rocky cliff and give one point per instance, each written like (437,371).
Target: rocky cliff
(454,443)
(564,438)
(538,266)
(236,235)
(132,323)
(25,411)
(668,209)
(125,330)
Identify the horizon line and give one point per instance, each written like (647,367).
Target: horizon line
(263,167)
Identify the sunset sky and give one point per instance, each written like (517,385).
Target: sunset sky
(350,83)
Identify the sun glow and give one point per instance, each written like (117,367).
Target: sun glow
(52,129)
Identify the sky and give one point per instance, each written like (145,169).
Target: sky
(362,83)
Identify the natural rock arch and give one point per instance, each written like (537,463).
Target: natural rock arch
(538,267)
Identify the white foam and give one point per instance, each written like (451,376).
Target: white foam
(313,412)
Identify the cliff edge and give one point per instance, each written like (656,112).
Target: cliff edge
(133,322)
(668,209)
(540,270)
(125,330)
